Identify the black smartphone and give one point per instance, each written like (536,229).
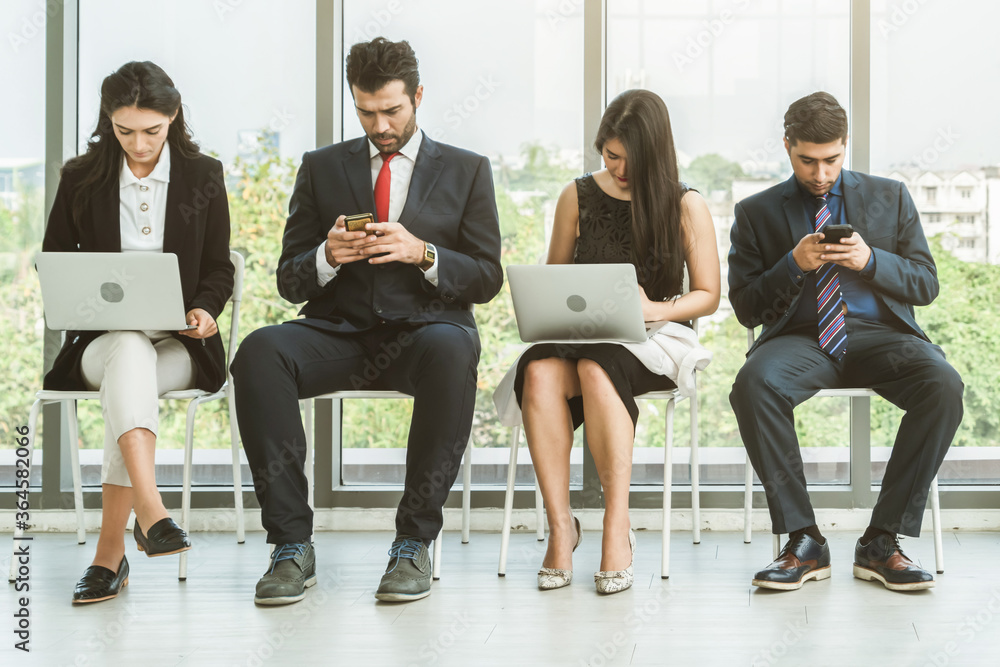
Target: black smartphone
(833,233)
(356,223)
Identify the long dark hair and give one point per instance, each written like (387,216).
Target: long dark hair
(639,119)
(140,84)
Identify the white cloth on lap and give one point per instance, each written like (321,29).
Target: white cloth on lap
(673,351)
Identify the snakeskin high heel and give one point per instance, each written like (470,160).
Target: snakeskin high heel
(616,581)
(551,578)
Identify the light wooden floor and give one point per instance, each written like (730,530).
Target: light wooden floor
(705,614)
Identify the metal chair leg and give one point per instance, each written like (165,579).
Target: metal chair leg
(508,501)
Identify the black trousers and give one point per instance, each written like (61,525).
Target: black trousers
(906,370)
(278,365)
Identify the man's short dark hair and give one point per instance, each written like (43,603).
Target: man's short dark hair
(816,118)
(372,65)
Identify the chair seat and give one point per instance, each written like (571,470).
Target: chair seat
(847,392)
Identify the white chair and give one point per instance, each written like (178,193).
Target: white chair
(671,397)
(307,406)
(843,393)
(195,397)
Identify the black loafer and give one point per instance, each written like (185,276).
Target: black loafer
(165,537)
(801,559)
(882,560)
(99,583)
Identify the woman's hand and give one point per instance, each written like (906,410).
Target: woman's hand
(205,323)
(650,309)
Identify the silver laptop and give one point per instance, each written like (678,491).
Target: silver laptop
(111,291)
(578,303)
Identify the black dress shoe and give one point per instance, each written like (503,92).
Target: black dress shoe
(165,537)
(99,583)
(801,559)
(883,560)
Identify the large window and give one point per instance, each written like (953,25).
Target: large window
(937,139)
(22,209)
(247,75)
(727,71)
(519,81)
(511,89)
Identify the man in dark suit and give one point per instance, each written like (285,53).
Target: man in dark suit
(388,307)
(837,315)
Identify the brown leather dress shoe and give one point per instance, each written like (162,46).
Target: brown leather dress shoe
(801,559)
(882,560)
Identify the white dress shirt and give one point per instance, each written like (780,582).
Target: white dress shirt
(142,204)
(401,172)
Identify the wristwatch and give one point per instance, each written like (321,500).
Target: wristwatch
(430,253)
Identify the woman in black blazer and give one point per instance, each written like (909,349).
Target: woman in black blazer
(141,186)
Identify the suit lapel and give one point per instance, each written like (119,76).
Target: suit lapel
(854,203)
(105,210)
(358,172)
(796,215)
(179,190)
(425,174)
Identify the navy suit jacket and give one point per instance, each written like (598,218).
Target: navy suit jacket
(450,203)
(769,224)
(196,229)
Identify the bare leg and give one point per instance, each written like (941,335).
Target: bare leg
(116,502)
(610,435)
(548,427)
(138,450)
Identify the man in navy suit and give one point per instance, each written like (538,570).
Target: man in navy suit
(837,315)
(387,307)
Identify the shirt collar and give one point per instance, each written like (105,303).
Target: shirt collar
(837,190)
(410,150)
(161,172)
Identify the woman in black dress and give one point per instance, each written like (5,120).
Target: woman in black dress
(635,210)
(142,186)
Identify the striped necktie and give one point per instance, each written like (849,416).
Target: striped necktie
(829,300)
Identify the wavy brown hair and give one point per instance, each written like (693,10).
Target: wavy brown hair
(140,84)
(639,119)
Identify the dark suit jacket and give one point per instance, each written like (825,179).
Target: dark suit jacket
(769,224)
(450,203)
(196,229)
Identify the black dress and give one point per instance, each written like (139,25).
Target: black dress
(605,238)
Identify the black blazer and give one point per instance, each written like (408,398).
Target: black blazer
(769,224)
(196,229)
(450,203)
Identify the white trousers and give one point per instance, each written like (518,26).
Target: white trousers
(132,369)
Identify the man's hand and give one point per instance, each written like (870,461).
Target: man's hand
(396,242)
(344,247)
(851,253)
(811,253)
(205,323)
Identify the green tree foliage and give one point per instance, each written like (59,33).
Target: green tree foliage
(963,320)
(711,172)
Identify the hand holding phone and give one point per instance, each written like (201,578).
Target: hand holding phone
(833,233)
(357,222)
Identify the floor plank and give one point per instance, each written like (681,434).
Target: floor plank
(706,613)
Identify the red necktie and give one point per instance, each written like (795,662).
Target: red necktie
(382,188)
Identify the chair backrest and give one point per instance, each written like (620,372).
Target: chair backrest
(234,330)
